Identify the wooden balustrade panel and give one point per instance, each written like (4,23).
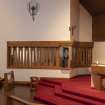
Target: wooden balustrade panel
(82,54)
(33,56)
(46,54)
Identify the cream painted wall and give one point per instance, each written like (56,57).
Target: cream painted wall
(51,23)
(85,26)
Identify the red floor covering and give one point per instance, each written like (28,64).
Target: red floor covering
(76,91)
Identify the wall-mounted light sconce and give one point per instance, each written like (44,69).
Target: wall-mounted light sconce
(33,8)
(72,28)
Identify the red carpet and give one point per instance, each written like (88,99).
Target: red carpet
(76,91)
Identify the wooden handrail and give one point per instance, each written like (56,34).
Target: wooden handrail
(11,98)
(38,43)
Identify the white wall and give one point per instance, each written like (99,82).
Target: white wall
(85,26)
(99,52)
(51,23)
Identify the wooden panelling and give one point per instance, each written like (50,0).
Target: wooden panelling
(97,10)
(95,7)
(99,28)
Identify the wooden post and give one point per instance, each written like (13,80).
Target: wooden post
(57,57)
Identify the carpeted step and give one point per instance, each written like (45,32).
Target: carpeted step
(52,81)
(44,100)
(85,94)
(76,91)
(76,98)
(46,84)
(60,93)
(46,95)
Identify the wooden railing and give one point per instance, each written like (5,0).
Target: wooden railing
(35,54)
(48,54)
(82,54)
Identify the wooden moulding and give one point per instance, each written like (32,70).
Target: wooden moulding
(48,43)
(38,43)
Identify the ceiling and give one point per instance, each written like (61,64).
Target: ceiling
(95,7)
